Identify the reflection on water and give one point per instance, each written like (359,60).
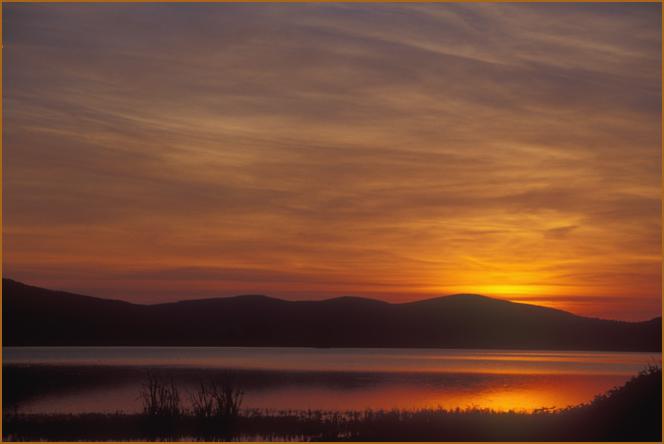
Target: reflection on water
(359,359)
(109,379)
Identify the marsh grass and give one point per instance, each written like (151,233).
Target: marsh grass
(216,406)
(632,412)
(161,407)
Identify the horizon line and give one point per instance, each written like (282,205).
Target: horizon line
(333,298)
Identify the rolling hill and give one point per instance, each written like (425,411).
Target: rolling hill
(34,316)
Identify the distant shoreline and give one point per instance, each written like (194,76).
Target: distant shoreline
(35,316)
(303,347)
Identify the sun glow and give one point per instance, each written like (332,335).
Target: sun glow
(391,167)
(514,289)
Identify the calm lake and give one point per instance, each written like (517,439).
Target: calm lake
(109,379)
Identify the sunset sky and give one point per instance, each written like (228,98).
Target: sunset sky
(161,152)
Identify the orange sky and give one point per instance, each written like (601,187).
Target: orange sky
(397,151)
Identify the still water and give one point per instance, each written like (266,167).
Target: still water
(108,379)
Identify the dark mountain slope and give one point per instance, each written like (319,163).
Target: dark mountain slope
(35,316)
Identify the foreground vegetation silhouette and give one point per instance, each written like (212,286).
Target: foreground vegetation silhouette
(632,412)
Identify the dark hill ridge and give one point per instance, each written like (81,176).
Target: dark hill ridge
(34,316)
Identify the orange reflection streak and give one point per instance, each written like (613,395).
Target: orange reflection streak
(518,393)
(532,393)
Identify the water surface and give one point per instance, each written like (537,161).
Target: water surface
(108,379)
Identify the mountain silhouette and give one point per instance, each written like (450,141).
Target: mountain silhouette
(34,316)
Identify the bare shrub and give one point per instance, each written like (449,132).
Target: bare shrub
(161,405)
(217,407)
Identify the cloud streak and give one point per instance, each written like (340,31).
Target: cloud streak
(394,150)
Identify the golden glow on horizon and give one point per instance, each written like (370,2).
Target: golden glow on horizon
(313,151)
(513,290)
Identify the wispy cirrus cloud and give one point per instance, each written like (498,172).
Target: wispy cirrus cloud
(391,150)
